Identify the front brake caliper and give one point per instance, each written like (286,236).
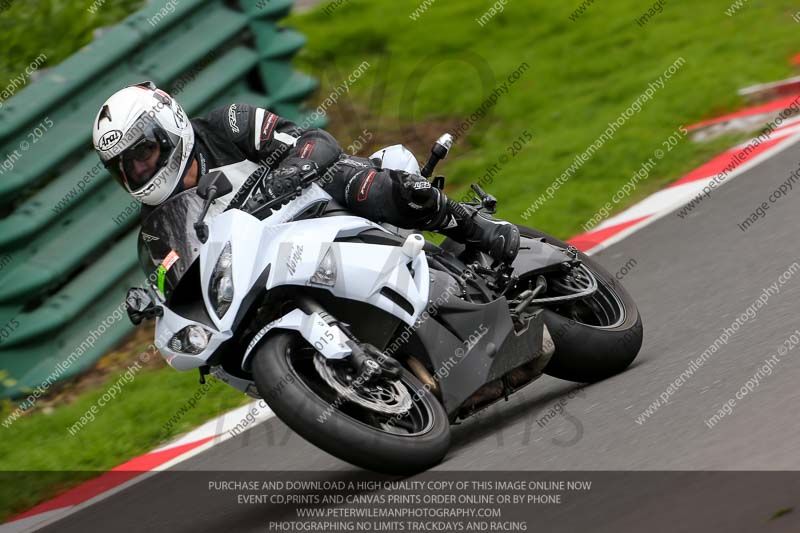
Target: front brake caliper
(370,362)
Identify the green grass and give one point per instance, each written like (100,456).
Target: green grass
(582,75)
(41,458)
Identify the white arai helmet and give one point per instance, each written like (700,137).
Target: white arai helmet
(145,141)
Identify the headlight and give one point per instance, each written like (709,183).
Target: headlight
(326,271)
(191,339)
(220,289)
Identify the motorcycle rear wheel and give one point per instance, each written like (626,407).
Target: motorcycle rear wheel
(592,348)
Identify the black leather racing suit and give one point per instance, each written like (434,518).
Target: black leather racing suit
(240,137)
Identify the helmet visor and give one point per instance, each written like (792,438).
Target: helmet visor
(136,166)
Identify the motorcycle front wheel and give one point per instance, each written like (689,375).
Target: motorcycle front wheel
(390,427)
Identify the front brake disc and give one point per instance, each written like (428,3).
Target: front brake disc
(388,397)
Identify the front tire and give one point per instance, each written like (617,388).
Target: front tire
(315,412)
(586,352)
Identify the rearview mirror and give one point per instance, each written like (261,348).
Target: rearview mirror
(140,306)
(214,180)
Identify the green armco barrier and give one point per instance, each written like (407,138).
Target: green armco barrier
(65,305)
(274,9)
(274,42)
(67,231)
(283,83)
(75,239)
(75,347)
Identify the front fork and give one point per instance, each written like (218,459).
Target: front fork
(365,359)
(332,338)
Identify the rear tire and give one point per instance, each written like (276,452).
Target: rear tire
(325,425)
(586,353)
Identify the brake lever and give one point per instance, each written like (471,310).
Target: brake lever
(275,202)
(488,202)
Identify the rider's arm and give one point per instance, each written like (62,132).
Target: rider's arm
(268,139)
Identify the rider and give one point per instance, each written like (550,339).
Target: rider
(146,142)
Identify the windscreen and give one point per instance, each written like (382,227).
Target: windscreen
(168,244)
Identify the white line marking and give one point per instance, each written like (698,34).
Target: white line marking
(671,209)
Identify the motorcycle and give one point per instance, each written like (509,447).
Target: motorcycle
(367,340)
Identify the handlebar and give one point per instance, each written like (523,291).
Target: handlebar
(438,152)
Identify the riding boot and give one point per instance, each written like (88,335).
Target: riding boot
(467,225)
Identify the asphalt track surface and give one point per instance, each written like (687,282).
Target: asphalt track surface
(692,278)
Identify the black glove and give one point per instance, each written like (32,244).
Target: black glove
(423,205)
(292,176)
(417,192)
(281,182)
(285,182)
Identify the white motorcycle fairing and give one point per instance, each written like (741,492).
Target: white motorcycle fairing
(292,253)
